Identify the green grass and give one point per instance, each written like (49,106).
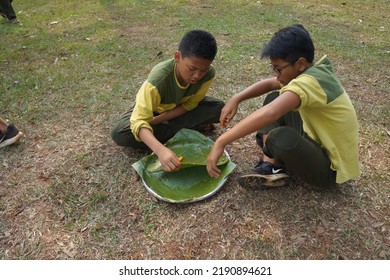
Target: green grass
(72,68)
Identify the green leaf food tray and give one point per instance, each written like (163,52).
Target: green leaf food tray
(192,182)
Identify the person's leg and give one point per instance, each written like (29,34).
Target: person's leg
(287,146)
(2,13)
(301,156)
(7,10)
(207,112)
(291,119)
(122,135)
(298,154)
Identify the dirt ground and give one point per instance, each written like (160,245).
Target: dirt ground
(67,191)
(57,202)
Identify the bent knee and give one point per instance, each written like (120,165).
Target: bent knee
(286,138)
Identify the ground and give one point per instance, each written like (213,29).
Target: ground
(68,192)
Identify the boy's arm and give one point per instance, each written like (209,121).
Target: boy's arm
(257,89)
(259,119)
(147,100)
(168,115)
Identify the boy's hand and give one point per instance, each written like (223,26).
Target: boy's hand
(228,112)
(169,161)
(212,160)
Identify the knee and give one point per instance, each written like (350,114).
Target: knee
(117,139)
(271,97)
(120,137)
(220,104)
(216,105)
(213,103)
(283,138)
(114,133)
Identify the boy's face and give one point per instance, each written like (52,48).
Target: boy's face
(189,70)
(285,71)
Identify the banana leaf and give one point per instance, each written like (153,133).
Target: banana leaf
(191,183)
(193,146)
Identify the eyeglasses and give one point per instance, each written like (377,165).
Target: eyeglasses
(278,70)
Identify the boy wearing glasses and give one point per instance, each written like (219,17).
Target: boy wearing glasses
(308,127)
(173,97)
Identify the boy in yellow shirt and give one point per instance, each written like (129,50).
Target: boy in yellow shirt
(307,126)
(173,97)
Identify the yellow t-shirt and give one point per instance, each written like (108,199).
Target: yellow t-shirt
(329,117)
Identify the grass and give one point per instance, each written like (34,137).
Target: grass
(68,192)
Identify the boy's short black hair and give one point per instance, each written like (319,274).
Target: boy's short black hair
(289,44)
(198,43)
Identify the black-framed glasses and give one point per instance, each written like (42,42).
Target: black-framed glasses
(278,70)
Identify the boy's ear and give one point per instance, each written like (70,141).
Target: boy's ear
(302,64)
(177,56)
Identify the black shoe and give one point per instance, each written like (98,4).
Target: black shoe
(12,136)
(264,176)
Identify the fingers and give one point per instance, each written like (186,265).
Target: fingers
(227,119)
(173,165)
(224,120)
(212,168)
(226,116)
(213,171)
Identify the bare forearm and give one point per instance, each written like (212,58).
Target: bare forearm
(168,115)
(261,118)
(250,124)
(148,138)
(257,89)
